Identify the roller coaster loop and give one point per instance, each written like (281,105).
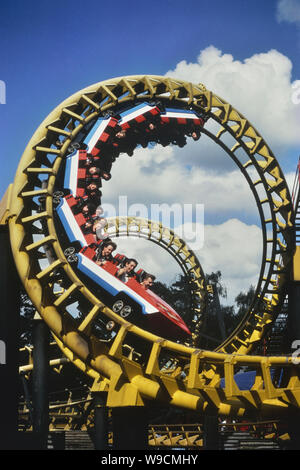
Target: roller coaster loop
(192,377)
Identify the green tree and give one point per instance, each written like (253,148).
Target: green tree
(244,300)
(177,294)
(27,311)
(220,320)
(215,278)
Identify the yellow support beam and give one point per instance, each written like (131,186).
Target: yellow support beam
(4,205)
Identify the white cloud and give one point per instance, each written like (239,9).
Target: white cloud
(202,172)
(288,10)
(260,88)
(235,249)
(160,175)
(233,245)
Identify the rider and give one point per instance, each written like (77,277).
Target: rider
(147,280)
(105,252)
(127,271)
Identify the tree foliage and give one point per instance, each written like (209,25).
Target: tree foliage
(220,320)
(27,311)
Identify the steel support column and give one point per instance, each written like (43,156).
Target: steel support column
(294,317)
(100,421)
(9,344)
(293,347)
(40,379)
(130,428)
(211,432)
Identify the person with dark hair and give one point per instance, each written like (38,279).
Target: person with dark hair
(194,132)
(90,160)
(93,175)
(105,164)
(106,151)
(104,252)
(147,280)
(196,135)
(95,225)
(121,134)
(127,271)
(98,228)
(94,170)
(125,141)
(93,193)
(88,209)
(84,206)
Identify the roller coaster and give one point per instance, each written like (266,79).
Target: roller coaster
(114,336)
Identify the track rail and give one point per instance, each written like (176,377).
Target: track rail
(138,227)
(195,382)
(296,202)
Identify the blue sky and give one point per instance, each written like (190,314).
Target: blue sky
(52,49)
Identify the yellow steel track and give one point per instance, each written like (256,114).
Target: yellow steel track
(155,232)
(195,381)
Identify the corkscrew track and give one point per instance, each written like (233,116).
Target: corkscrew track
(195,382)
